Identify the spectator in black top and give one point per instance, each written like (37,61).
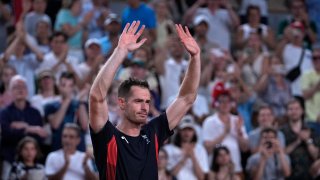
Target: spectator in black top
(130,150)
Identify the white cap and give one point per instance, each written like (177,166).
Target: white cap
(92,41)
(199,19)
(187,122)
(44,19)
(112,17)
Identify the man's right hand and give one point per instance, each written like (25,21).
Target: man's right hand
(129,37)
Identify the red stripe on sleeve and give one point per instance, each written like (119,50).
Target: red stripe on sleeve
(157,146)
(112,159)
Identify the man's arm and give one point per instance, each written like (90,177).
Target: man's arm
(98,107)
(188,90)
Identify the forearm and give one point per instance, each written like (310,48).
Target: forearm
(313,151)
(309,93)
(89,174)
(57,117)
(262,83)
(243,143)
(60,173)
(197,169)
(259,172)
(284,164)
(291,147)
(178,167)
(234,17)
(11,49)
(83,117)
(209,145)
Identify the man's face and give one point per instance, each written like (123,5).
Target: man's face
(136,105)
(19,90)
(224,102)
(42,29)
(70,139)
(297,8)
(267,139)
(93,51)
(39,5)
(294,111)
(265,118)
(66,87)
(57,44)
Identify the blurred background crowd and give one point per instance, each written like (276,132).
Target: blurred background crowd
(257,112)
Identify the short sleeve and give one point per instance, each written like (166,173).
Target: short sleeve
(102,137)
(161,126)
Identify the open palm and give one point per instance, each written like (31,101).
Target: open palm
(187,40)
(129,37)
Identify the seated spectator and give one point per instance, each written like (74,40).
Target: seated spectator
(6,74)
(18,120)
(271,161)
(261,4)
(69,21)
(266,119)
(187,159)
(222,166)
(26,165)
(66,110)
(299,13)
(254,25)
(67,162)
(310,85)
(302,145)
(163,173)
(273,88)
(228,130)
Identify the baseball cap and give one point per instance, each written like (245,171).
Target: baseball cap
(187,122)
(112,18)
(44,19)
(138,62)
(91,41)
(45,73)
(199,19)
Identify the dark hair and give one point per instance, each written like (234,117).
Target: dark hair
(300,101)
(21,145)
(68,75)
(224,94)
(215,167)
(2,85)
(74,127)
(252,7)
(125,86)
(177,139)
(264,106)
(57,34)
(268,130)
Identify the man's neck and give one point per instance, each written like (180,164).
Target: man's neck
(296,125)
(129,128)
(48,93)
(20,104)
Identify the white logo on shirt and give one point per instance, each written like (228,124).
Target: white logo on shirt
(124,138)
(146,138)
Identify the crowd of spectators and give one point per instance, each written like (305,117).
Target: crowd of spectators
(257,111)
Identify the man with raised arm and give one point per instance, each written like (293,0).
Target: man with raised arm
(130,150)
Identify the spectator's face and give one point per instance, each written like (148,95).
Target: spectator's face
(57,44)
(47,83)
(294,111)
(70,139)
(162,9)
(136,106)
(297,8)
(39,6)
(19,90)
(93,51)
(265,118)
(43,29)
(316,59)
(138,72)
(66,87)
(254,41)
(141,54)
(187,134)
(113,28)
(223,158)
(224,104)
(163,160)
(7,74)
(176,49)
(29,152)
(202,28)
(254,16)
(76,8)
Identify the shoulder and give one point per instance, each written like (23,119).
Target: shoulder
(55,154)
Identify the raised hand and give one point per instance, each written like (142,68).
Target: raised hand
(187,40)
(129,36)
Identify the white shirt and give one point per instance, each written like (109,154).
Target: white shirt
(83,70)
(50,60)
(170,81)
(262,4)
(38,102)
(55,161)
(175,155)
(291,56)
(213,127)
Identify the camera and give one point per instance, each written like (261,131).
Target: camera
(268,145)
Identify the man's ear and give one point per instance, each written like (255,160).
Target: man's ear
(121,102)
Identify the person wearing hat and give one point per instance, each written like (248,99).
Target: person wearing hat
(43,33)
(187,158)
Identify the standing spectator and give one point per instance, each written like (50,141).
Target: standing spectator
(66,110)
(299,13)
(187,159)
(6,74)
(301,143)
(26,165)
(256,26)
(43,33)
(228,130)
(310,85)
(67,162)
(18,120)
(32,18)
(261,4)
(163,173)
(58,60)
(271,161)
(68,21)
(222,166)
(5,20)
(222,20)
(266,119)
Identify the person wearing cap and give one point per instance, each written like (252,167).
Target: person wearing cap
(33,17)
(112,28)
(43,33)
(130,149)
(226,129)
(187,158)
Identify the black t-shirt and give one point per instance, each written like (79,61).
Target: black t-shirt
(119,156)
